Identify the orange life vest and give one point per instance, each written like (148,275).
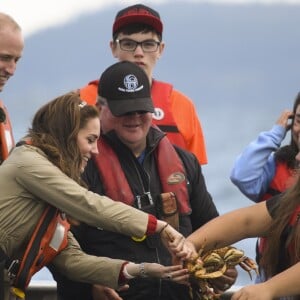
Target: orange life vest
(47,241)
(170,168)
(162,117)
(283,179)
(6,136)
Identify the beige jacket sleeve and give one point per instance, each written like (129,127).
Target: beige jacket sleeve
(78,266)
(46,182)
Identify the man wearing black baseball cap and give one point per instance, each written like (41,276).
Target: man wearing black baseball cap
(138,166)
(137,37)
(126,89)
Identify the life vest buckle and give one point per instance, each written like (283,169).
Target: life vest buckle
(146,196)
(13,268)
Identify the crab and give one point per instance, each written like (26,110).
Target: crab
(213,264)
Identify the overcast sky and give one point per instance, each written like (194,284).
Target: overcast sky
(34,15)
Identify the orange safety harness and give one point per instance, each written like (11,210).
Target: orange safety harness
(47,241)
(6,135)
(163,116)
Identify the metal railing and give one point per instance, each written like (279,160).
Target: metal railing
(41,290)
(46,290)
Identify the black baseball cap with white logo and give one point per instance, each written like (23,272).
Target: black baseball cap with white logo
(126,88)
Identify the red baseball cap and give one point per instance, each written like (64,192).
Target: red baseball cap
(138,13)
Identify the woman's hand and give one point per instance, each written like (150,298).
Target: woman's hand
(173,273)
(177,245)
(284,118)
(253,292)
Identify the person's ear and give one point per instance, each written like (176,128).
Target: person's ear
(113,48)
(161,49)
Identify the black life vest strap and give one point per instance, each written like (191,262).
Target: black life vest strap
(2,264)
(273,192)
(2,115)
(168,128)
(12,266)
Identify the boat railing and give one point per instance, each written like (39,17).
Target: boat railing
(46,290)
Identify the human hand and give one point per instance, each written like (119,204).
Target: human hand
(101,292)
(177,245)
(253,292)
(173,273)
(187,252)
(284,118)
(224,282)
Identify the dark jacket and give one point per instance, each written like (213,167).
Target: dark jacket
(143,177)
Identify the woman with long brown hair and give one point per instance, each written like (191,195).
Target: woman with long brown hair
(278,220)
(267,167)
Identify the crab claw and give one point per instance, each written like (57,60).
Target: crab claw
(248,265)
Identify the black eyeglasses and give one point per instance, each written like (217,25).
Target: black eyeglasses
(131,45)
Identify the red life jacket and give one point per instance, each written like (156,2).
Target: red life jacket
(6,136)
(47,241)
(171,173)
(162,117)
(283,179)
